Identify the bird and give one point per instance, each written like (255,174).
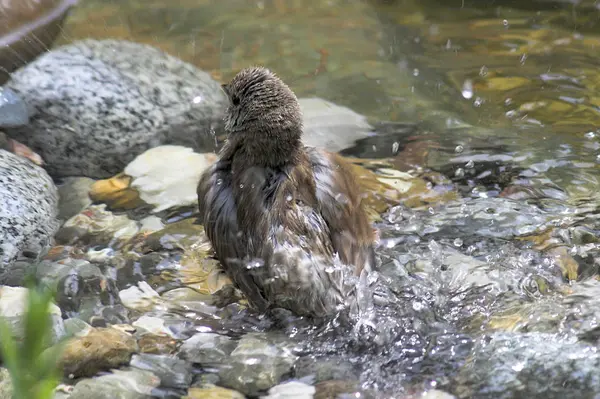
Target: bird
(286,221)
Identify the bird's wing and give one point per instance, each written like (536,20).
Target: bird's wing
(339,201)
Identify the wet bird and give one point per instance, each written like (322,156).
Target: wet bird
(285,220)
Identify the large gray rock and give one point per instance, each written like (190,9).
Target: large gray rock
(96,105)
(28,208)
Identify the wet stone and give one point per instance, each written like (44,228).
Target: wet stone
(323,369)
(101,349)
(13,303)
(157,344)
(98,226)
(209,391)
(73,193)
(207,349)
(508,365)
(122,384)
(255,365)
(173,372)
(291,390)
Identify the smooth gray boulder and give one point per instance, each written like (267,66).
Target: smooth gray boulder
(95,105)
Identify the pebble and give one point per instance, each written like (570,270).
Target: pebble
(101,349)
(255,365)
(173,372)
(210,391)
(28,215)
(74,196)
(13,110)
(291,390)
(207,349)
(121,384)
(13,303)
(97,104)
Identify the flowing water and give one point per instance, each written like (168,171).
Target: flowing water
(494,294)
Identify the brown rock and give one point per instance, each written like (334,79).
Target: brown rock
(27,29)
(213,392)
(157,344)
(101,349)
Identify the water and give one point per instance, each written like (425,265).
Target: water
(492,295)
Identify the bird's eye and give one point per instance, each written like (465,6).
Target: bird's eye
(235,101)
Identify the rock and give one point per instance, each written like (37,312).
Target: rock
(140,297)
(209,391)
(157,344)
(291,390)
(101,349)
(531,365)
(335,388)
(120,384)
(28,28)
(154,325)
(74,196)
(13,110)
(13,303)
(98,226)
(163,177)
(29,209)
(96,105)
(207,349)
(320,369)
(255,365)
(6,386)
(330,126)
(173,372)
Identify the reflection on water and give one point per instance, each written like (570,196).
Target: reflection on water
(504,95)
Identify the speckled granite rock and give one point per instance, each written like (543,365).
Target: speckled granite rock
(28,208)
(96,105)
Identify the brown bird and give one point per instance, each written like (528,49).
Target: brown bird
(285,220)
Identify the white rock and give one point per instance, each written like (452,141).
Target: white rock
(291,390)
(167,176)
(139,297)
(154,325)
(331,126)
(13,304)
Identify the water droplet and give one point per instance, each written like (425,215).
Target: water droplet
(448,44)
(242,185)
(590,135)
(429,185)
(415,72)
(374,148)
(395,147)
(505,22)
(288,198)
(197,100)
(470,164)
(467,89)
(460,172)
(255,264)
(431,211)
(478,102)
(458,242)
(483,71)
(219,182)
(508,101)
(459,148)
(523,59)
(598,158)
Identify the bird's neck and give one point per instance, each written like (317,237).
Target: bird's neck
(275,150)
